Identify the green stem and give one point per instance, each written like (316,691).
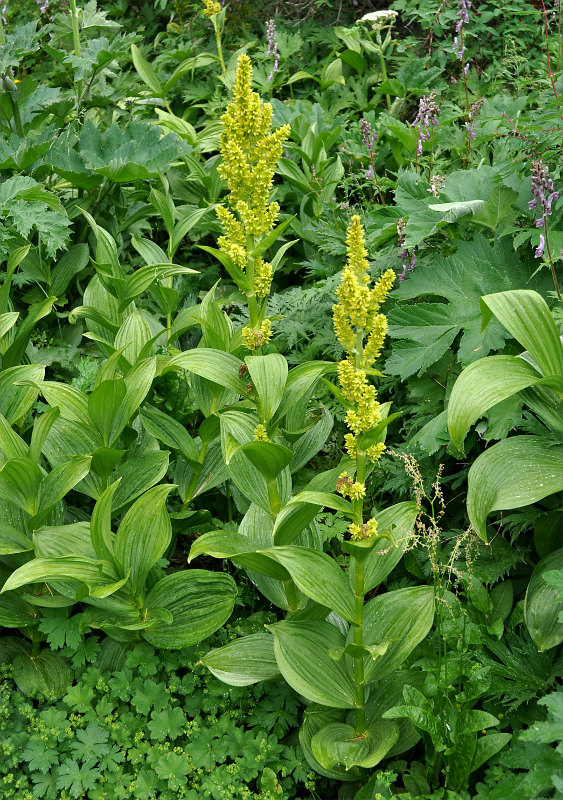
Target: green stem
(291,594)
(383,67)
(219,46)
(17,116)
(550,259)
(76,40)
(253,310)
(35,642)
(274,497)
(358,633)
(195,476)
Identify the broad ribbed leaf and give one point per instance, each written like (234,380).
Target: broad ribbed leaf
(144,535)
(16,400)
(316,717)
(138,382)
(215,365)
(485,383)
(269,376)
(543,605)
(103,404)
(511,474)
(301,509)
(398,520)
(20,481)
(73,403)
(200,602)
(527,316)
(40,570)
(146,71)
(339,744)
(242,549)
(11,445)
(244,661)
(41,427)
(167,430)
(58,483)
(302,651)
(47,673)
(137,475)
(103,540)
(16,613)
(269,458)
(318,576)
(12,540)
(402,618)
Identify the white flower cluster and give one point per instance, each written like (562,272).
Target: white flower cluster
(380,18)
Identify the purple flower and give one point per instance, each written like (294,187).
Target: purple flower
(369,173)
(541,247)
(43,6)
(463,7)
(272,47)
(3,13)
(543,192)
(369,136)
(428,113)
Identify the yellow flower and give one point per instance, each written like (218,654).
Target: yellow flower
(211,8)
(257,338)
(260,433)
(250,150)
(365,531)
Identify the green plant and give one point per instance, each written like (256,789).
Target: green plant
(136,723)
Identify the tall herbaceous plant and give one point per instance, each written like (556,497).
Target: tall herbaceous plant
(340,653)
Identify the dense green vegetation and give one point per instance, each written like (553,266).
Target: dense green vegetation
(281,386)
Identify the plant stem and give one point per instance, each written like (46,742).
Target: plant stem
(253,310)
(76,40)
(274,497)
(219,46)
(550,259)
(383,68)
(358,633)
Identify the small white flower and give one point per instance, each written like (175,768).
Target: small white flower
(380,18)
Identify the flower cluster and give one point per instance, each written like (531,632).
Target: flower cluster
(369,136)
(272,47)
(463,7)
(428,113)
(211,8)
(250,151)
(543,192)
(260,433)
(43,6)
(380,19)
(361,330)
(405,255)
(254,339)
(474,110)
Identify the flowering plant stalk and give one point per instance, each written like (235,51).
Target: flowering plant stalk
(378,21)
(250,150)
(212,9)
(332,645)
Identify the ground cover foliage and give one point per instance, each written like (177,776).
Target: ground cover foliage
(281,380)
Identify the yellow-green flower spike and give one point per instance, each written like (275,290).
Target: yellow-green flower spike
(250,150)
(211,8)
(361,331)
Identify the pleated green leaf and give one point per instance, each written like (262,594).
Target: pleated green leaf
(302,651)
(242,549)
(543,605)
(527,316)
(47,673)
(398,521)
(402,618)
(245,661)
(483,384)
(338,744)
(513,473)
(200,602)
(144,535)
(269,375)
(318,576)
